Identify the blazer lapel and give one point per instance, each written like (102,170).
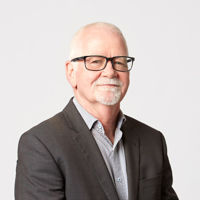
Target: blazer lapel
(131,145)
(90,151)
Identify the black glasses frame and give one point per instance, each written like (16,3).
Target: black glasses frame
(107,59)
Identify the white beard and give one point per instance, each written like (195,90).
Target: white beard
(107,95)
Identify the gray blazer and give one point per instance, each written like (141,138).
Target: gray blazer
(59,159)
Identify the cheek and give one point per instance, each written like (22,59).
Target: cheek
(125,81)
(85,79)
(91,77)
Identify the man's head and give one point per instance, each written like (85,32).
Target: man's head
(107,86)
(76,42)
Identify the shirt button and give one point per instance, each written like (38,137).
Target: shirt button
(119,180)
(100,126)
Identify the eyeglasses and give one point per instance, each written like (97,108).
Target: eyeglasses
(98,63)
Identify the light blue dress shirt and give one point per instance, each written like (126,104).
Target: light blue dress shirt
(113,154)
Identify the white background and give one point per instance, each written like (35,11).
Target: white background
(163,36)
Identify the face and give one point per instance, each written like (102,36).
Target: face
(108,86)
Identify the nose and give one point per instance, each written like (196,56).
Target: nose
(109,71)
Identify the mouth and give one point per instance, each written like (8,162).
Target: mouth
(106,83)
(109,85)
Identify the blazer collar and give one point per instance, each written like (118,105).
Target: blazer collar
(131,146)
(89,150)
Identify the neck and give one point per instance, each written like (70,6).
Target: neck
(106,114)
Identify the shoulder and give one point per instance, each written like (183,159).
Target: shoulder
(139,125)
(144,132)
(53,126)
(44,130)
(57,130)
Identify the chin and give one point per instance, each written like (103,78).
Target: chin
(108,98)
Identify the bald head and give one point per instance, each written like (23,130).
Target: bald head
(89,32)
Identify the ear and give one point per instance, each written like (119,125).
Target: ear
(70,74)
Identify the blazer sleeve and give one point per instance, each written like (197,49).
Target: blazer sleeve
(37,174)
(168,192)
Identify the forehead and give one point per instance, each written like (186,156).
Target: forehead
(101,42)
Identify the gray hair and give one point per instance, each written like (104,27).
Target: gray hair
(97,26)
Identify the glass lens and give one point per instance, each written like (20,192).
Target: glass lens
(122,63)
(95,62)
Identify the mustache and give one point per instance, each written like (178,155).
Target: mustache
(105,81)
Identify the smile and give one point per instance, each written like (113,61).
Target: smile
(109,85)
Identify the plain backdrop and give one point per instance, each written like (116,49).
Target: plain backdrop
(163,36)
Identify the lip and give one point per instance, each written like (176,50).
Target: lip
(109,85)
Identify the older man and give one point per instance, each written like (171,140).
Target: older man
(91,150)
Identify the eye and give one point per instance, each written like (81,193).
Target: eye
(96,61)
(118,63)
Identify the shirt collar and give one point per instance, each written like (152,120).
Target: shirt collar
(90,119)
(87,117)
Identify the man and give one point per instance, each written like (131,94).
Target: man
(91,150)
